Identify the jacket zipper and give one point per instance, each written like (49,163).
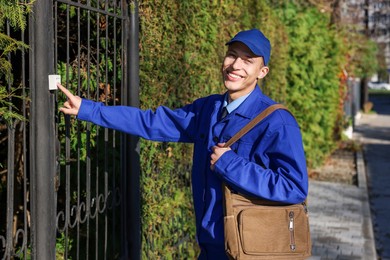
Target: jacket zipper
(291,228)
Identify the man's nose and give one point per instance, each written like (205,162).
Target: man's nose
(237,63)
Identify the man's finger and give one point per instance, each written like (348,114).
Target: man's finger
(68,111)
(65,90)
(66,104)
(64,110)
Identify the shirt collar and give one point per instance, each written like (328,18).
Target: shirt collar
(230,107)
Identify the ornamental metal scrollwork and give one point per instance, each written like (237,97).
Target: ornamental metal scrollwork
(73,216)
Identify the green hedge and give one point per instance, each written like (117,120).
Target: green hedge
(182,47)
(315,62)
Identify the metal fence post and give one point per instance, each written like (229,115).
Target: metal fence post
(131,195)
(134,151)
(42,133)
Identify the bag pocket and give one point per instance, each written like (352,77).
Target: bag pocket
(266,230)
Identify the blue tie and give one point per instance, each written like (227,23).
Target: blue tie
(224,112)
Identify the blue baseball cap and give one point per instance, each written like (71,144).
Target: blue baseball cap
(256,42)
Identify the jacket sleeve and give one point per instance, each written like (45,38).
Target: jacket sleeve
(276,171)
(162,125)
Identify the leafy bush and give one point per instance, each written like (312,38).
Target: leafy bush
(15,14)
(315,59)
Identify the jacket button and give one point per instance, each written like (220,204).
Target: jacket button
(215,139)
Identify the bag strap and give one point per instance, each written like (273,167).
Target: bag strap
(228,201)
(254,122)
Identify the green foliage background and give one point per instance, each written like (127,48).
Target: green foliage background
(15,14)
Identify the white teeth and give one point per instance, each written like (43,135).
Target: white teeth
(234,76)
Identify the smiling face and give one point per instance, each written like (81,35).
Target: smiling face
(241,69)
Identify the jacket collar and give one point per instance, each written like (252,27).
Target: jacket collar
(252,105)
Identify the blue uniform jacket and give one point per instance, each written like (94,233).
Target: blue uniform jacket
(268,162)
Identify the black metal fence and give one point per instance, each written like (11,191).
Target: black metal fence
(70,189)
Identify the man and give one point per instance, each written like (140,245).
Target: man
(268,162)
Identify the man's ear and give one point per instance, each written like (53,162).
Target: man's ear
(263,72)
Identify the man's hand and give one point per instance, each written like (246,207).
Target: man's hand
(72,106)
(218,151)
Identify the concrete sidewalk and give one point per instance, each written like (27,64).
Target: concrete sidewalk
(340,219)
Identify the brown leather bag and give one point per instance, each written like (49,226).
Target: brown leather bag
(261,229)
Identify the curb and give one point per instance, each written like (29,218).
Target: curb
(369,241)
